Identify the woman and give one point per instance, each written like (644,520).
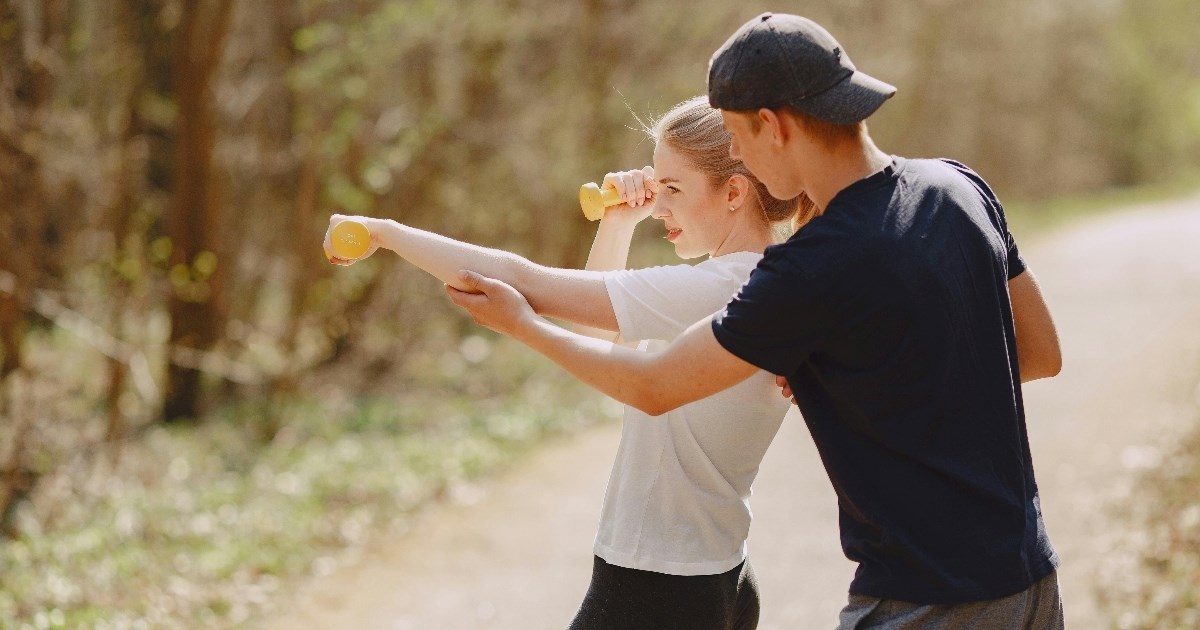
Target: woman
(670,551)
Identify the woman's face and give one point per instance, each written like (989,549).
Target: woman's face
(697,218)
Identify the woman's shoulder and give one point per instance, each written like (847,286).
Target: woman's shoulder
(735,262)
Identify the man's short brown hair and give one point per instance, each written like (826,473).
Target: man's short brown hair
(824,132)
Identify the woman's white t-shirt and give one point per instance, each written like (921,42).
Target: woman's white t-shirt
(678,497)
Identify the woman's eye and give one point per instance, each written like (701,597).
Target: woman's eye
(672,190)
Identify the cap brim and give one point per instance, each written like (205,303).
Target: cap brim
(848,102)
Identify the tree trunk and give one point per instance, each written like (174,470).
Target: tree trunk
(26,57)
(197,304)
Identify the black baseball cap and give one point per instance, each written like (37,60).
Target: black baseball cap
(779,59)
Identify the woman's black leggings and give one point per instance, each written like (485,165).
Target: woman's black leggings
(632,599)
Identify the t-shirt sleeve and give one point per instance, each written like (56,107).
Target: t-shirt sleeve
(778,318)
(661,302)
(1016,263)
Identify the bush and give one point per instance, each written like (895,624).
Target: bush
(1159,588)
(206,525)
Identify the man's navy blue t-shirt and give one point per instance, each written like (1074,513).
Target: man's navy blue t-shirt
(890,317)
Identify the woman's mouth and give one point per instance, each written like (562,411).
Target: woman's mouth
(673,233)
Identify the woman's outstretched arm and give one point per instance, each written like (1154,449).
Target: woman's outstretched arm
(571,294)
(575,295)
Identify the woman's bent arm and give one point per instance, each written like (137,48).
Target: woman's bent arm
(610,252)
(610,248)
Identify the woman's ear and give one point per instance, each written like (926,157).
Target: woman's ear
(739,189)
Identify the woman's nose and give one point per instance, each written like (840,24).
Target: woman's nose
(660,211)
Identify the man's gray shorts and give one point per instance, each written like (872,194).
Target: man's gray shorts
(1037,608)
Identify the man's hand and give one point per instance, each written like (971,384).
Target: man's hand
(492,303)
(782,382)
(692,367)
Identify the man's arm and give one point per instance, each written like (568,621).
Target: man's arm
(1038,352)
(694,366)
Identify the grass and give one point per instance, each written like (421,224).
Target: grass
(1041,217)
(207,527)
(1155,583)
(1160,589)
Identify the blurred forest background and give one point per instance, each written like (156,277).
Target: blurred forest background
(195,407)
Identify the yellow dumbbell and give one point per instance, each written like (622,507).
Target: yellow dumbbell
(349,240)
(594,199)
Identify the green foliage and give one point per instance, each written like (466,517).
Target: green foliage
(1155,104)
(208,526)
(474,119)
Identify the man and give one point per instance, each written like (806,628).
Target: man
(903,320)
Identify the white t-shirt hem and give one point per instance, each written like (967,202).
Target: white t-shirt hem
(669,567)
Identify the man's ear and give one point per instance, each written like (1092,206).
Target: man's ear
(775,124)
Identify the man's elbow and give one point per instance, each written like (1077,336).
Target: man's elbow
(1046,367)
(1052,362)
(1055,365)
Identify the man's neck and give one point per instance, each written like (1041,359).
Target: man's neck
(842,165)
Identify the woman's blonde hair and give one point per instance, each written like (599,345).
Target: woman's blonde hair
(696,131)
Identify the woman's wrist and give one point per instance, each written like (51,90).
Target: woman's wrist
(617,226)
(381,231)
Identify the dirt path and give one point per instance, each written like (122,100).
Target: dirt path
(1125,291)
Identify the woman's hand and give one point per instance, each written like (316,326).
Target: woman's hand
(367,222)
(492,303)
(637,189)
